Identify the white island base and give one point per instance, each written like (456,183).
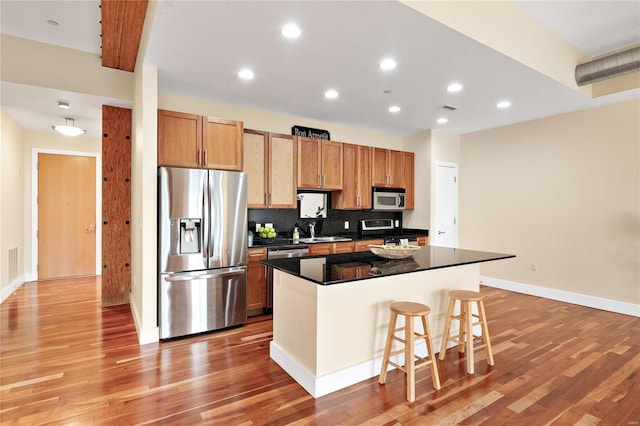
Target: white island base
(329,337)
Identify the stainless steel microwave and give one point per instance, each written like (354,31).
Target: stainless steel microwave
(389,199)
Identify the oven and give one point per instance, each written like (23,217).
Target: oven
(281,253)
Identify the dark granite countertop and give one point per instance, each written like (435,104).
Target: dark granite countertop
(282,242)
(341,268)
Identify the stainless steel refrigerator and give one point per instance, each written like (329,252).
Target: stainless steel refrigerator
(202,250)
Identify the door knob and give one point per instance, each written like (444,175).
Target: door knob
(441,232)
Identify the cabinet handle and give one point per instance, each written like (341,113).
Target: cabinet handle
(255,254)
(319,181)
(324,180)
(204,162)
(266,199)
(198,156)
(358,200)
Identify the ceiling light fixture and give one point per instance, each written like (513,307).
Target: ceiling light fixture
(331,94)
(503,104)
(291,31)
(387,64)
(64,105)
(442,120)
(69,130)
(454,87)
(394,108)
(245,74)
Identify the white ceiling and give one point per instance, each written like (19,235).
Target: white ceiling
(198,47)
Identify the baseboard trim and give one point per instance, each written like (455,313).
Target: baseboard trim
(11,288)
(564,296)
(147,336)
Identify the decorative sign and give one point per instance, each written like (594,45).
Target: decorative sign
(308,132)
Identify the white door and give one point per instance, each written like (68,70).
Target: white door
(445,233)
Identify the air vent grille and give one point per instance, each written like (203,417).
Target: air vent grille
(450,107)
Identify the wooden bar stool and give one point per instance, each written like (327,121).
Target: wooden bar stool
(466,318)
(409,310)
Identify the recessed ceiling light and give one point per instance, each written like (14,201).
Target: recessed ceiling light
(454,87)
(331,94)
(387,64)
(503,104)
(245,74)
(291,31)
(64,105)
(442,120)
(52,23)
(394,108)
(69,130)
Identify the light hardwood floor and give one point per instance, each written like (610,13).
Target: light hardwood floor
(64,360)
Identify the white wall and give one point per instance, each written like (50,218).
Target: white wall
(562,193)
(11,203)
(420,145)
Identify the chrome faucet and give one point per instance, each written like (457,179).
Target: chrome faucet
(312,229)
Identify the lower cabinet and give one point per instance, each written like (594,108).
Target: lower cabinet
(422,241)
(330,248)
(256,281)
(364,245)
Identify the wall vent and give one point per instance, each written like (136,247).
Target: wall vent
(13,264)
(450,107)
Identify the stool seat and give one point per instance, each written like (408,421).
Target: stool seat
(465,336)
(409,310)
(466,295)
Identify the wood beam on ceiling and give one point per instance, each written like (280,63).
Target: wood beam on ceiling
(122,22)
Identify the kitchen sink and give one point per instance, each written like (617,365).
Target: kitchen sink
(323,240)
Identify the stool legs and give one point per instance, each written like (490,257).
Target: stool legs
(410,356)
(465,337)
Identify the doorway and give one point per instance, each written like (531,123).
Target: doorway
(65,210)
(446,205)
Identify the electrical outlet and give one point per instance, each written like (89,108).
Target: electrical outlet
(346,224)
(534,267)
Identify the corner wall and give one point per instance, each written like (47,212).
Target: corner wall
(11,205)
(563,194)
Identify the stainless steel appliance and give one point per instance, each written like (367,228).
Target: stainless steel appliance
(202,250)
(386,230)
(281,253)
(388,199)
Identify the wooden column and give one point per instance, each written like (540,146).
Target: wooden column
(116,205)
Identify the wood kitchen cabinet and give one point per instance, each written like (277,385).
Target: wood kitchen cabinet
(356,192)
(256,280)
(190,140)
(422,241)
(349,271)
(363,245)
(319,164)
(270,164)
(408,179)
(386,165)
(330,248)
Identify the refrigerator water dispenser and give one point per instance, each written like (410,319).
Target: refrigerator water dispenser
(190,236)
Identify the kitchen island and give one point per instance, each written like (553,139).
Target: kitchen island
(331,313)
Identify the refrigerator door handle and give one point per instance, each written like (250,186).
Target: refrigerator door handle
(204,276)
(206,229)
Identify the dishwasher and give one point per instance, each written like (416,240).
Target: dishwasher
(281,253)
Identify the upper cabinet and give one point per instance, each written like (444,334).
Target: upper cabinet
(387,167)
(319,164)
(356,193)
(189,140)
(222,144)
(270,164)
(408,178)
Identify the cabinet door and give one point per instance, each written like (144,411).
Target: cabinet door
(309,160)
(282,171)
(363,166)
(179,139)
(422,241)
(408,179)
(222,144)
(331,162)
(343,247)
(364,245)
(395,169)
(319,249)
(256,279)
(348,197)
(379,167)
(256,164)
